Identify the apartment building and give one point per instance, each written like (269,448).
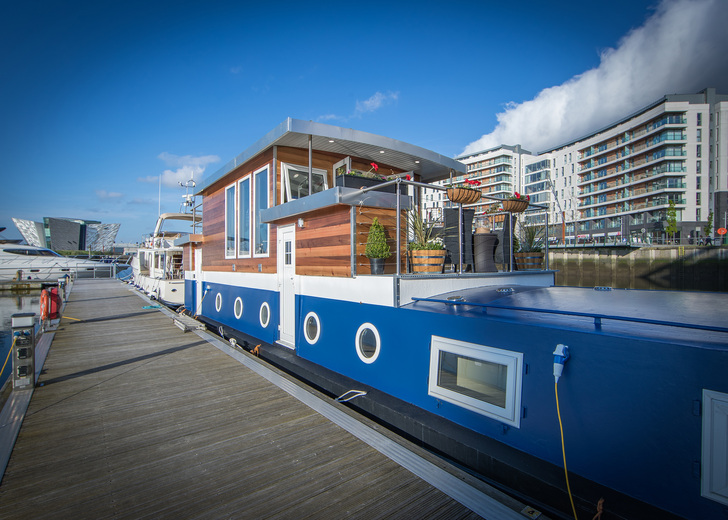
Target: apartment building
(617,184)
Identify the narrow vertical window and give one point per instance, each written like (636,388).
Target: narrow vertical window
(244,218)
(230,222)
(261,203)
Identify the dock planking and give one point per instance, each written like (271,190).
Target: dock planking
(132,418)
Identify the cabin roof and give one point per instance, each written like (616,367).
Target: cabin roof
(430,165)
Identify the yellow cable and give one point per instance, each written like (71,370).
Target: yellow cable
(69,318)
(6,359)
(563,450)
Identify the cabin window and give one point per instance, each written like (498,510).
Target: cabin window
(238,308)
(312,327)
(264,315)
(244,217)
(218,302)
(261,229)
(230,222)
(295,179)
(483,379)
(368,343)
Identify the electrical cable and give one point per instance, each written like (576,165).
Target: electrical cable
(6,359)
(563,450)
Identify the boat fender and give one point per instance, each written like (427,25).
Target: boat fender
(561,354)
(44,304)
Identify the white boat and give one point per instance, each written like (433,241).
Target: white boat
(157,267)
(24,262)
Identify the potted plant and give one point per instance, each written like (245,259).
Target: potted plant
(354,178)
(530,248)
(377,250)
(467,193)
(426,249)
(516,203)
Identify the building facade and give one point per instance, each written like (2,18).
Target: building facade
(624,182)
(65,234)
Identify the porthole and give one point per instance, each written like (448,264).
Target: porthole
(238,308)
(312,328)
(264,315)
(218,302)
(367,343)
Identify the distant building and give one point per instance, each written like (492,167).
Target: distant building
(67,234)
(616,184)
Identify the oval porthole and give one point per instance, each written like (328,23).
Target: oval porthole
(218,302)
(238,307)
(264,315)
(312,327)
(367,343)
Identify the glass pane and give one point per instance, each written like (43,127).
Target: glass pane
(474,378)
(311,328)
(244,222)
(230,221)
(298,183)
(368,343)
(261,203)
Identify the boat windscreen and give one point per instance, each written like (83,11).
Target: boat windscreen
(31,252)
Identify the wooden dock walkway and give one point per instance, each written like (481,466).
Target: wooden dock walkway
(132,418)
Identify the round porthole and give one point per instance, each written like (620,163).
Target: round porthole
(367,343)
(218,302)
(312,328)
(238,308)
(264,315)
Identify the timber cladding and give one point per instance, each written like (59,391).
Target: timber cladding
(213,223)
(388,218)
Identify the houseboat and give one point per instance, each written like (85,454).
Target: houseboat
(575,399)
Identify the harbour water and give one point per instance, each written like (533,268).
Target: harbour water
(13,303)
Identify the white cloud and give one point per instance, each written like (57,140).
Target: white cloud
(681,48)
(375,102)
(103,194)
(188,167)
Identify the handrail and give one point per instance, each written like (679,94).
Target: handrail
(597,317)
(400,180)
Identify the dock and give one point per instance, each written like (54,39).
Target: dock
(134,417)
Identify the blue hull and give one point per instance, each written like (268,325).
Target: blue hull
(631,394)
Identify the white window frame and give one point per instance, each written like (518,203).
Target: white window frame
(231,253)
(256,213)
(285,167)
(511,413)
(238,232)
(713,482)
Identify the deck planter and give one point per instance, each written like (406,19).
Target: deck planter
(353,181)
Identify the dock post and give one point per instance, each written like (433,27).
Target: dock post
(23,327)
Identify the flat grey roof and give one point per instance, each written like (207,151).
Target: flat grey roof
(430,165)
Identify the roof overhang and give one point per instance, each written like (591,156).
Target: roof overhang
(429,165)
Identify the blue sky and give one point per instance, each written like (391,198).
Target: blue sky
(98,99)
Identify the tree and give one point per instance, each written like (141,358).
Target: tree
(671,228)
(708,228)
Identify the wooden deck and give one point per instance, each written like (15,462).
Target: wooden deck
(132,418)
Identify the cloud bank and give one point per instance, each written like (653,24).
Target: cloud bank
(681,48)
(188,167)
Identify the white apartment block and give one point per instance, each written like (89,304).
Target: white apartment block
(616,184)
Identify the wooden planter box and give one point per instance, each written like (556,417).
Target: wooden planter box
(529,261)
(352,181)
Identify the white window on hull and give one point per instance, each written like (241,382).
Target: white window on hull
(714,481)
(483,379)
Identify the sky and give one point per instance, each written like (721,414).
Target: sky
(99,100)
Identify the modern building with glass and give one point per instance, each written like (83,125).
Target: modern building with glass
(68,234)
(616,185)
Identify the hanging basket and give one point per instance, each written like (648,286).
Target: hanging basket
(515,205)
(463,195)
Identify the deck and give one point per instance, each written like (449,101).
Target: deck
(133,418)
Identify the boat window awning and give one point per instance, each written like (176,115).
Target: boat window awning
(429,165)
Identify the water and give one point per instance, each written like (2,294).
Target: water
(13,303)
